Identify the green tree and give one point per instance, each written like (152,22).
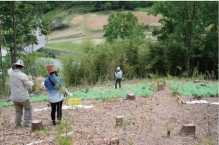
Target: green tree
(124,26)
(108,6)
(184,23)
(19,22)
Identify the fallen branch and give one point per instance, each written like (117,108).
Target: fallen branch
(67,133)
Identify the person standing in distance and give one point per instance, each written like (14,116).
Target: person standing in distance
(118,75)
(19,94)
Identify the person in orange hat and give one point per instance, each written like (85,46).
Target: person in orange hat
(54,85)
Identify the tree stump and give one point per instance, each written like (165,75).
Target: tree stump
(203,84)
(196,81)
(131,96)
(160,86)
(120,120)
(36,125)
(197,97)
(114,141)
(167,83)
(188,129)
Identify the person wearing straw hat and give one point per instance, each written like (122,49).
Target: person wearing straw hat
(118,75)
(55,87)
(19,94)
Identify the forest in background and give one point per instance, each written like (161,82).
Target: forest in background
(187,43)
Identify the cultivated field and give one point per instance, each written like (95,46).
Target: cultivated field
(147,122)
(89,23)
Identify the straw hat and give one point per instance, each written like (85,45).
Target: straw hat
(19,62)
(51,68)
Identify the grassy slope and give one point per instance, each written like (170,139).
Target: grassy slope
(52,13)
(66,46)
(147,9)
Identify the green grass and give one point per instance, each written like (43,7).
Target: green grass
(191,89)
(39,98)
(68,17)
(65,57)
(52,13)
(66,46)
(147,9)
(140,90)
(101,13)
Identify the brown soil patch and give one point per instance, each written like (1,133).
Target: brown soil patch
(96,22)
(147,122)
(77,20)
(147,19)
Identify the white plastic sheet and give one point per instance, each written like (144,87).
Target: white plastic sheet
(66,107)
(200,102)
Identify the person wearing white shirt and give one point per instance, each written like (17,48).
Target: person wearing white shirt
(19,94)
(118,75)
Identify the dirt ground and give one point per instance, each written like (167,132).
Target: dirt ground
(96,22)
(147,19)
(77,20)
(147,120)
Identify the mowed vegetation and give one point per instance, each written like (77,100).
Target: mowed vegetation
(147,9)
(68,46)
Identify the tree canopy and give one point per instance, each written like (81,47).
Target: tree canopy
(123,25)
(184,25)
(20,23)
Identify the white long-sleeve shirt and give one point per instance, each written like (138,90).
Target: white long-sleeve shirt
(19,84)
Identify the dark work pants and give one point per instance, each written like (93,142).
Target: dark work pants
(57,106)
(118,80)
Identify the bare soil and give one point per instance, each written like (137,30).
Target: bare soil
(147,19)
(77,20)
(148,120)
(96,22)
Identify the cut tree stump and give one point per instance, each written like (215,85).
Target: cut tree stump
(196,81)
(167,83)
(203,84)
(36,125)
(114,141)
(120,120)
(131,96)
(197,97)
(188,129)
(160,86)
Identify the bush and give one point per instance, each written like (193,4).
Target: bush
(60,22)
